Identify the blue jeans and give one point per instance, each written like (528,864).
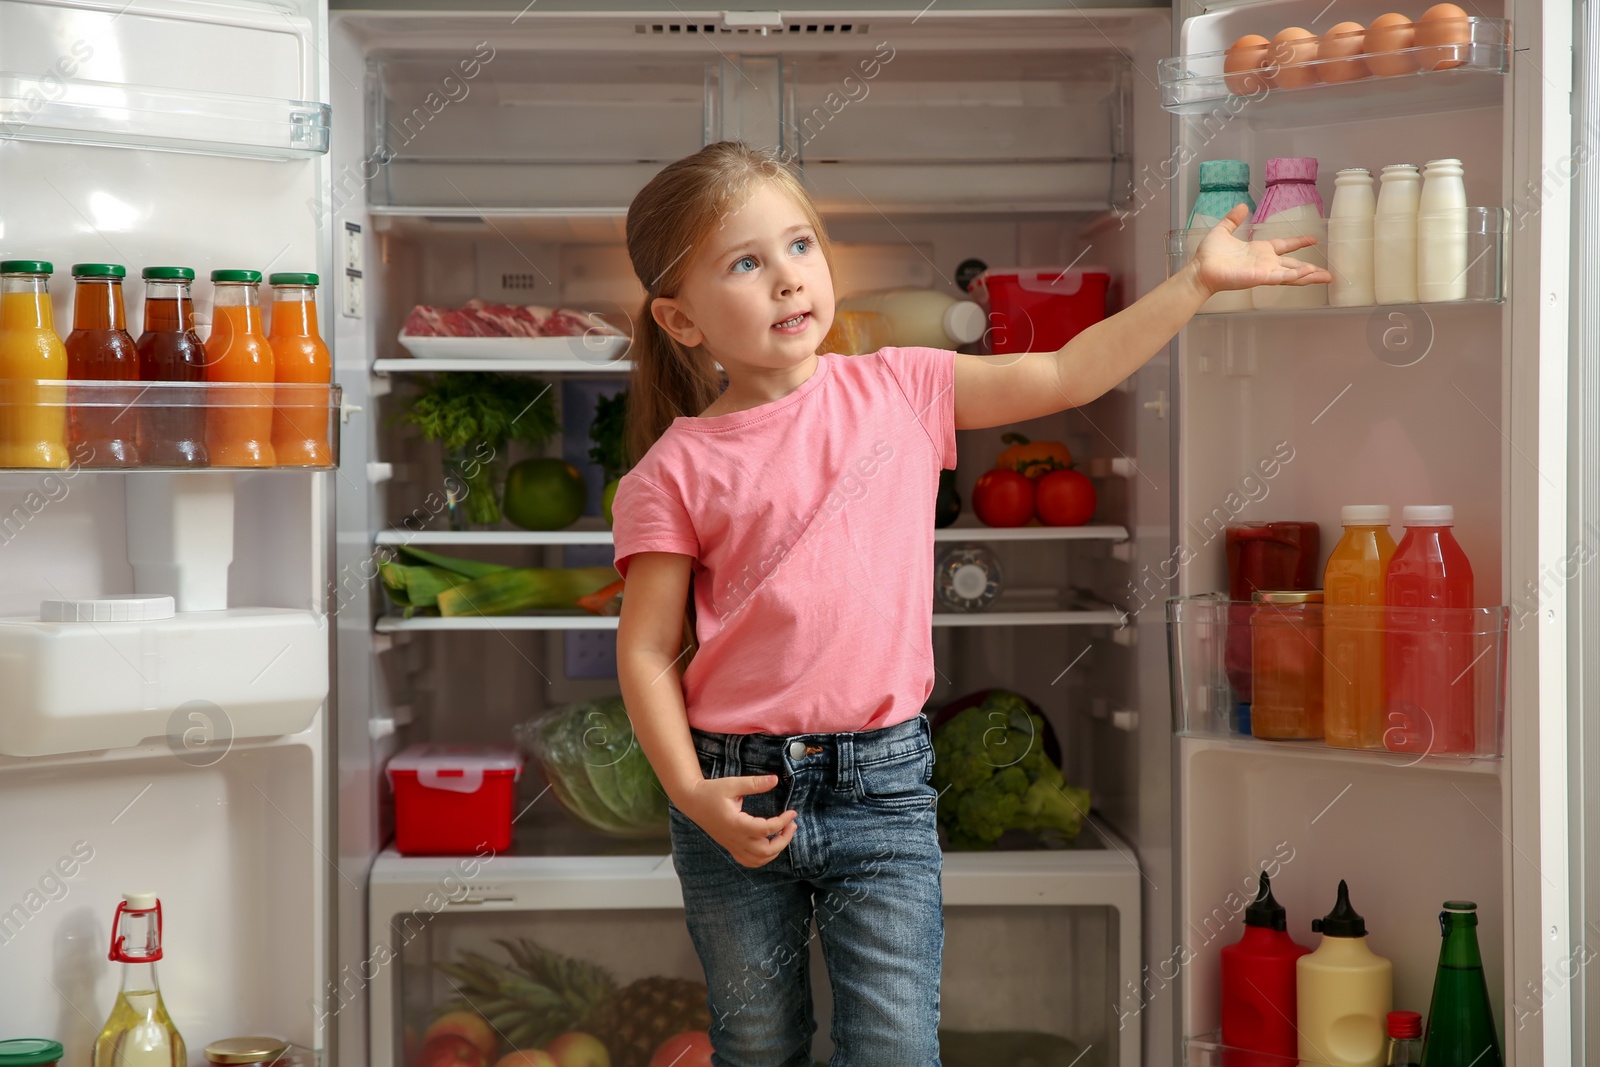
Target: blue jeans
(864,861)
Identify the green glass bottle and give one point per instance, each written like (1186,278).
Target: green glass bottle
(1460,1019)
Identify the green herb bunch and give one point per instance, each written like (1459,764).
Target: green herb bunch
(606,431)
(462,410)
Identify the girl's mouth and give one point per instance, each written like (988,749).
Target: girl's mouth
(793,325)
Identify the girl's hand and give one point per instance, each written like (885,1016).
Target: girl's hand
(715,805)
(1224,262)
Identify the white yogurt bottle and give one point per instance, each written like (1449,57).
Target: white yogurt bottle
(1442,232)
(1350,239)
(1394,235)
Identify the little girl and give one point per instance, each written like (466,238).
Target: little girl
(800,500)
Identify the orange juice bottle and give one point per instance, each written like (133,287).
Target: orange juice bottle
(33,417)
(239,421)
(301,365)
(1352,620)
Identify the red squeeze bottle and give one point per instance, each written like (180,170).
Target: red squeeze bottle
(1258,987)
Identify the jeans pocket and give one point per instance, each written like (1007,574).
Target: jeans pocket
(710,766)
(899,783)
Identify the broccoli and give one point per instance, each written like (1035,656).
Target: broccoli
(993,776)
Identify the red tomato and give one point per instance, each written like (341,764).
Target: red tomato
(1003,498)
(450,1050)
(692,1048)
(1065,498)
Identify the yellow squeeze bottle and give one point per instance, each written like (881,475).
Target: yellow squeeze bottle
(1343,993)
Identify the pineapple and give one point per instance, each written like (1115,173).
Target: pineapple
(544,993)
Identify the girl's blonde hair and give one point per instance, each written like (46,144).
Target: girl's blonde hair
(669,222)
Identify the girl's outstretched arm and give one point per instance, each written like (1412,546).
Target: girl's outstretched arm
(995,390)
(649,640)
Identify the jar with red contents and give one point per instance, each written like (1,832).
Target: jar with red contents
(241,1051)
(1286,664)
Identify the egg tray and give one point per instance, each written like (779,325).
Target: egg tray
(1201,81)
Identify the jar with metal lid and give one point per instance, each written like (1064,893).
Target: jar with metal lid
(1286,654)
(29,1052)
(234,1051)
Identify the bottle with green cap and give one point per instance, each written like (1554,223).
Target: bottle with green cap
(1460,1019)
(239,422)
(172,433)
(99,349)
(33,415)
(304,371)
(30,1052)
(1224,185)
(1344,992)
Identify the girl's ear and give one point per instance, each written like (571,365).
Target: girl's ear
(672,317)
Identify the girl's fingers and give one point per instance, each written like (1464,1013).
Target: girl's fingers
(753,783)
(1284,245)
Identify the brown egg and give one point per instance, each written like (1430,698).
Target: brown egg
(1244,56)
(1336,51)
(1441,37)
(1387,37)
(1288,61)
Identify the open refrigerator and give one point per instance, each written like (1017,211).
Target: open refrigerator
(491,154)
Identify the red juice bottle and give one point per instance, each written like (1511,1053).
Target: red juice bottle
(101,427)
(1428,660)
(172,434)
(1258,987)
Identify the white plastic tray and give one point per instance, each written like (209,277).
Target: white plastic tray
(594,348)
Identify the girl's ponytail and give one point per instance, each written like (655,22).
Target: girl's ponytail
(668,380)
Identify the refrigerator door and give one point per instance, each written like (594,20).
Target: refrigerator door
(188,133)
(1291,414)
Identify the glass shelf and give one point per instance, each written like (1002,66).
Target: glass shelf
(123,115)
(86,425)
(1224,654)
(1420,78)
(1485,272)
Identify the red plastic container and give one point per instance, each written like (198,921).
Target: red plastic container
(1037,309)
(453,800)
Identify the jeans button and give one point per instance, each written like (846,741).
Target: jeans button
(797,749)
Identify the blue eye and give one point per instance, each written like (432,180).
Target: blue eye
(742,260)
(803,242)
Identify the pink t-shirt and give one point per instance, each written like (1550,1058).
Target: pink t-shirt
(810,520)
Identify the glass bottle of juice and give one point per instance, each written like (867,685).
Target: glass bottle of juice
(1428,660)
(101,430)
(33,417)
(1352,621)
(301,365)
(172,434)
(239,421)
(139,1032)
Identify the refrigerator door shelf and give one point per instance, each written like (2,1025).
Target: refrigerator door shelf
(1197,85)
(1205,705)
(116,114)
(198,679)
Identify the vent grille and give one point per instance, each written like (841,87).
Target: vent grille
(711,28)
(522,280)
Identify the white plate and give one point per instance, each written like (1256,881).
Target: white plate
(597,348)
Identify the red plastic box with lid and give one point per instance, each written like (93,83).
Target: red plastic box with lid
(1037,309)
(453,800)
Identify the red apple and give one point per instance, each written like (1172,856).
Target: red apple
(450,1050)
(578,1049)
(692,1048)
(470,1025)
(528,1057)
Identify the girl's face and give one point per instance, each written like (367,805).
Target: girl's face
(758,293)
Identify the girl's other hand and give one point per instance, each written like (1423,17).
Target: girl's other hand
(1224,262)
(716,806)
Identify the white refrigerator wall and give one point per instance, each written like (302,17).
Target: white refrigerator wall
(231,832)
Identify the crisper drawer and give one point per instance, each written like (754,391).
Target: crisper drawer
(488,129)
(1029,985)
